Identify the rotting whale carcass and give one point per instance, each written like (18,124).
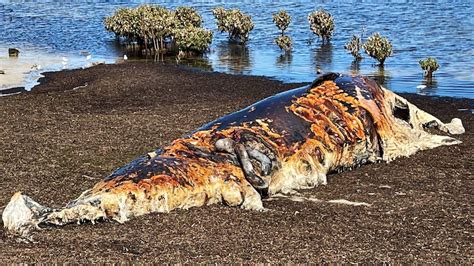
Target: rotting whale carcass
(283,143)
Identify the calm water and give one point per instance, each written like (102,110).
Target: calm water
(443,29)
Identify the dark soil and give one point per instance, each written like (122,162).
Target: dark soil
(57,142)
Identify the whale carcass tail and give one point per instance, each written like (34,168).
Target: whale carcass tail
(22,215)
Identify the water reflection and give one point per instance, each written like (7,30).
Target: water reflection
(200,62)
(235,58)
(355,67)
(382,76)
(429,86)
(322,58)
(284,60)
(430,83)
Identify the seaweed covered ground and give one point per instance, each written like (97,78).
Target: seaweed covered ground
(78,126)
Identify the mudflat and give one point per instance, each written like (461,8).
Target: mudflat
(77,126)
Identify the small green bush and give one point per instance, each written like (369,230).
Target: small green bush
(192,39)
(237,24)
(282,20)
(189,37)
(321,23)
(429,65)
(378,47)
(188,17)
(354,46)
(284,42)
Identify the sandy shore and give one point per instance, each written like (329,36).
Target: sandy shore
(56,142)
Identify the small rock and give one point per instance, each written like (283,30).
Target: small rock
(151,155)
(13,52)
(2,72)
(88,177)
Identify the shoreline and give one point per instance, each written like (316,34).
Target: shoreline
(21,73)
(43,77)
(59,142)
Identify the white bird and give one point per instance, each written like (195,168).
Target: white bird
(421,87)
(125,57)
(88,57)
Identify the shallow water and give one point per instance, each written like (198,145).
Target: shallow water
(442,29)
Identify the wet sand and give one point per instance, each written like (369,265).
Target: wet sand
(79,125)
(22,72)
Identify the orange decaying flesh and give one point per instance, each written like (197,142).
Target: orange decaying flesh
(325,110)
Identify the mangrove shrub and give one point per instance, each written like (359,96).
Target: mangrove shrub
(282,20)
(233,21)
(284,42)
(124,23)
(378,47)
(155,24)
(321,23)
(161,29)
(429,65)
(354,46)
(188,17)
(192,39)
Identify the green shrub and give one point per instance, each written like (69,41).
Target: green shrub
(237,24)
(188,17)
(282,20)
(124,23)
(156,24)
(192,39)
(378,47)
(189,37)
(321,23)
(284,42)
(160,28)
(354,46)
(429,65)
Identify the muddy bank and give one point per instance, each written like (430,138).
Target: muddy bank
(78,126)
